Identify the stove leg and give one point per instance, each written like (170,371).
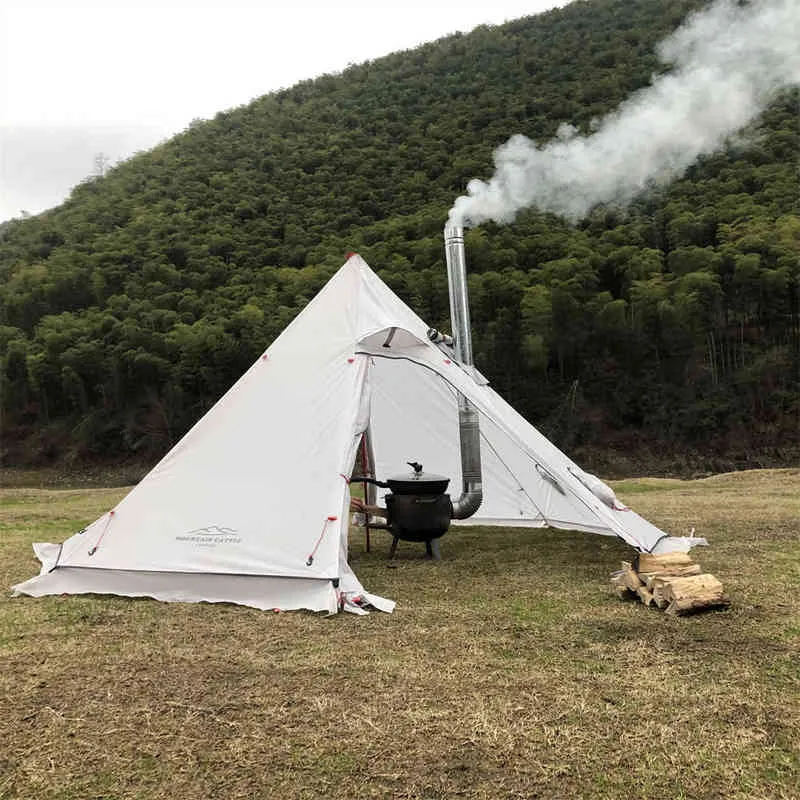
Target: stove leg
(432,549)
(393,548)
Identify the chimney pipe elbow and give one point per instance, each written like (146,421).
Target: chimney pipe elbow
(469,502)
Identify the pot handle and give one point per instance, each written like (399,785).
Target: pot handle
(365,479)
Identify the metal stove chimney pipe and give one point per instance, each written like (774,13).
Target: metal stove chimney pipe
(472,493)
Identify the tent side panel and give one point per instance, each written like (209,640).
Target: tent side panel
(247,590)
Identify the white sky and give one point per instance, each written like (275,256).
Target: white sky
(116,78)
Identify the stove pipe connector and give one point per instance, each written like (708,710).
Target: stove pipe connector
(472,493)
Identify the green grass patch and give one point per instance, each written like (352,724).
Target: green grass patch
(645,485)
(509,670)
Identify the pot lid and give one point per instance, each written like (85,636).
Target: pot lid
(418,476)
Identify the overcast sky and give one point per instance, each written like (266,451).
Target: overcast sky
(115,78)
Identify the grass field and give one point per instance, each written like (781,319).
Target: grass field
(508,670)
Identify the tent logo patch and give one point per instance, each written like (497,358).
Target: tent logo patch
(211,536)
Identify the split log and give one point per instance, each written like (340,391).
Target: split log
(658,587)
(672,572)
(694,593)
(624,593)
(648,562)
(678,588)
(632,580)
(645,596)
(620,587)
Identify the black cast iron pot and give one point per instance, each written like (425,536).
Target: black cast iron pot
(417,509)
(418,517)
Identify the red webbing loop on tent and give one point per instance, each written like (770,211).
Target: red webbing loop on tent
(102,534)
(310,559)
(346,479)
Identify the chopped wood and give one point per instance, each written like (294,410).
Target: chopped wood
(631,580)
(697,592)
(645,596)
(658,588)
(677,572)
(670,581)
(681,588)
(623,592)
(690,605)
(648,562)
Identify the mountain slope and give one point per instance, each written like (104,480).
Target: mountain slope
(132,307)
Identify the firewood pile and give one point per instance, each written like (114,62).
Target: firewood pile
(671,581)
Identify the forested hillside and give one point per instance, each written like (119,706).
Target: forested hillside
(670,329)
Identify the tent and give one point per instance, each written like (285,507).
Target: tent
(251,506)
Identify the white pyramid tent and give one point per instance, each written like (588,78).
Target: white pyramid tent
(252,505)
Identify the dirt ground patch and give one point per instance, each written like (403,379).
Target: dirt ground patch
(508,670)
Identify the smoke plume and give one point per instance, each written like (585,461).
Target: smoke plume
(728,62)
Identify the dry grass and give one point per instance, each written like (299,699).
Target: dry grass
(509,670)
